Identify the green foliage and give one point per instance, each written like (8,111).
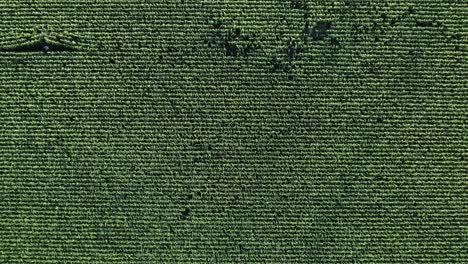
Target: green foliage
(245,131)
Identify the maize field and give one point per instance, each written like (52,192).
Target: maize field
(210,131)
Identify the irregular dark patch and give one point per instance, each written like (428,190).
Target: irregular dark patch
(231,49)
(424,23)
(456,36)
(172,49)
(293,49)
(201,146)
(319,32)
(217,24)
(334,41)
(279,64)
(171,229)
(234,42)
(306,31)
(379,177)
(299,4)
(242,248)
(285,58)
(186,214)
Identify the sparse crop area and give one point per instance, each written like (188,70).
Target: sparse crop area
(209,131)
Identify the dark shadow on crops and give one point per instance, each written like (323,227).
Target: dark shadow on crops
(38,46)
